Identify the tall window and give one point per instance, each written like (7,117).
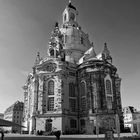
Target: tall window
(109,102)
(73,123)
(72,104)
(82,40)
(108,87)
(83,104)
(51,87)
(50,103)
(82,122)
(83,89)
(65,17)
(71,90)
(48,126)
(66,38)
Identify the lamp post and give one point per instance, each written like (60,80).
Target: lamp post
(117,126)
(97,126)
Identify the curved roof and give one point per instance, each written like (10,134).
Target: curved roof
(71,6)
(88,55)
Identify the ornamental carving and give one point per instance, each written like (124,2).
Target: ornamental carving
(50,67)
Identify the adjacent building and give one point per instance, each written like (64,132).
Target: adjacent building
(1,115)
(73,89)
(129,114)
(14,113)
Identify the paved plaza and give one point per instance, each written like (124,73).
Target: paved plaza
(67,137)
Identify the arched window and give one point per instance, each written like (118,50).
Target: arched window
(65,17)
(108,87)
(71,90)
(51,51)
(83,89)
(51,87)
(83,95)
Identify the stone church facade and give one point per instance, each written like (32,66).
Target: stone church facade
(73,89)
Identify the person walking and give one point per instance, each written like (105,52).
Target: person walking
(2,135)
(57,134)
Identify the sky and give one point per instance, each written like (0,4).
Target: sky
(25,29)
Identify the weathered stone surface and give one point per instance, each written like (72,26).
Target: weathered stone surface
(70,61)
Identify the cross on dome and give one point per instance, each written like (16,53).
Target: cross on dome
(70,5)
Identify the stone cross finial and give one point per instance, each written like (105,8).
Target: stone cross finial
(37,58)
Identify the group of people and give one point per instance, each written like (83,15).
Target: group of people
(56,133)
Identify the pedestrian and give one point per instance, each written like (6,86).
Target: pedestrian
(2,135)
(57,134)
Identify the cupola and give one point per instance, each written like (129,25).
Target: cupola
(70,13)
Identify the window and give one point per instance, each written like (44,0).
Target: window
(108,87)
(109,102)
(82,122)
(51,52)
(71,90)
(73,123)
(66,38)
(50,103)
(83,103)
(51,87)
(72,104)
(83,88)
(48,126)
(65,17)
(82,40)
(71,73)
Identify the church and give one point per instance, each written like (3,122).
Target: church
(72,89)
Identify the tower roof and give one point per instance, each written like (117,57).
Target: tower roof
(90,53)
(71,6)
(106,51)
